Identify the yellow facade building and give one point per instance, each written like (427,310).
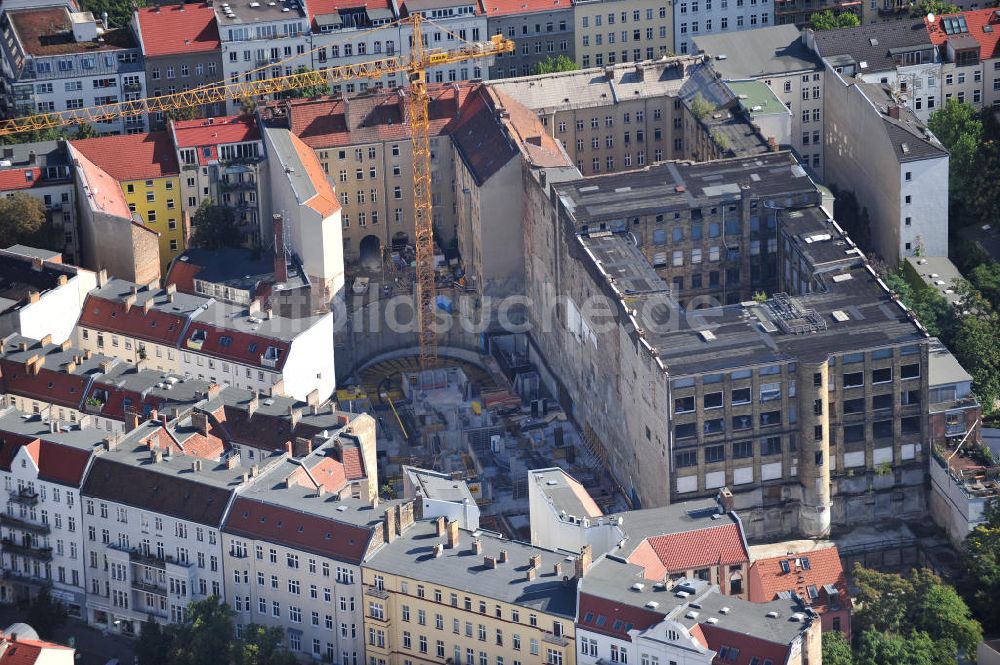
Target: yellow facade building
(145,165)
(436,593)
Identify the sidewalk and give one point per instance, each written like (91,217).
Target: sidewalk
(93,647)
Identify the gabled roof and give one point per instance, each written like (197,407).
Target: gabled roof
(235,345)
(155,325)
(143,487)
(814,572)
(872,44)
(750,648)
(22,651)
(56,463)
(722,545)
(12,179)
(496,8)
(132,156)
(608,617)
(178,29)
(303,171)
(983,26)
(101,191)
(47,385)
(480,137)
(209,133)
(284,526)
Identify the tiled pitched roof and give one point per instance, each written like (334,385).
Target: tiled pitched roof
(237,346)
(495,8)
(872,43)
(977,21)
(56,463)
(28,652)
(263,431)
(605,616)
(324,201)
(299,530)
(182,275)
(752,649)
(178,29)
(103,193)
(49,385)
(14,179)
(114,407)
(215,131)
(354,463)
(132,156)
(721,545)
(154,325)
(480,138)
(157,492)
(768,578)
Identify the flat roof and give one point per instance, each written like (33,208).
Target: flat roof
(412,555)
(439,486)
(564,492)
(49,31)
(943,368)
(19,278)
(757,98)
(242,12)
(938,273)
(772,51)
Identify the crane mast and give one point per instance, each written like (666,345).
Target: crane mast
(414,67)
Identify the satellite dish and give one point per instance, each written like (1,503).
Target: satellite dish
(930,17)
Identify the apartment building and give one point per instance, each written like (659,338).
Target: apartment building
(435,592)
(200,337)
(294,546)
(793,425)
(43,171)
(56,59)
(694,19)
(881,151)
(182,49)
(969,51)
(898,54)
(540,29)
(112,237)
(42,527)
(344,34)
(363,143)
(608,32)
(43,297)
(451,24)
(778,57)
(219,161)
(260,41)
(150,179)
(799,12)
(627,612)
(435,494)
(153,518)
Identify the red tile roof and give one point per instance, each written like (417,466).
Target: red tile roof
(245,348)
(354,463)
(103,193)
(214,131)
(720,545)
(328,122)
(114,406)
(509,7)
(310,532)
(27,652)
(56,463)
(324,201)
(14,179)
(182,274)
(329,473)
(750,647)
(111,315)
(601,615)
(49,385)
(976,20)
(132,156)
(767,577)
(178,29)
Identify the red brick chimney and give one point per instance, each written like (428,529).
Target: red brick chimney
(280,262)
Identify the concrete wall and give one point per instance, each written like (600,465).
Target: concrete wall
(310,364)
(951,507)
(56,311)
(123,248)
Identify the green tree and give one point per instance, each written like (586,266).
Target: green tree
(262,646)
(936,7)
(977,345)
(119,11)
(23,219)
(184,113)
(154,645)
(827,20)
(836,649)
(45,614)
(550,65)
(205,635)
(986,278)
(315,90)
(700,107)
(214,226)
(916,648)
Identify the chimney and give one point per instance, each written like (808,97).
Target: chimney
(147,305)
(439,526)
(726,500)
(232,462)
(531,574)
(640,71)
(609,73)
(503,556)
(681,68)
(33,296)
(894,111)
(129,301)
(312,399)
(22,346)
(288,448)
(389,525)
(106,365)
(111,442)
(253,403)
(477,547)
(156,456)
(302,446)
(171,289)
(66,345)
(102,278)
(133,421)
(583,561)
(490,561)
(772,144)
(452,531)
(280,261)
(438,550)
(45,341)
(294,415)
(557,569)
(535,561)
(62,280)
(213,391)
(199,421)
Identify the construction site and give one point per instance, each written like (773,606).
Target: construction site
(486,423)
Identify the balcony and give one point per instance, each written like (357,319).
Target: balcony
(16,523)
(196,340)
(132,87)
(140,557)
(40,553)
(93,405)
(24,497)
(552,638)
(381,594)
(237,186)
(150,587)
(24,578)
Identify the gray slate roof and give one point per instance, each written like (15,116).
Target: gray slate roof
(872,43)
(753,53)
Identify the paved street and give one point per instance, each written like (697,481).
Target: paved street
(92,646)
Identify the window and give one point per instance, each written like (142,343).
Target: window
(910,371)
(742,449)
(715,454)
(713,400)
(882,375)
(686,458)
(854,379)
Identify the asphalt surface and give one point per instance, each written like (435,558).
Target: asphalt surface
(93,647)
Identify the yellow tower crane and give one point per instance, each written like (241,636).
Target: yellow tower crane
(414,66)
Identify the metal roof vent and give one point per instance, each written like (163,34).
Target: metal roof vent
(707,335)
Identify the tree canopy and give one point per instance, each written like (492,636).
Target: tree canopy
(981,567)
(560,63)
(214,226)
(23,219)
(45,614)
(119,11)
(827,20)
(937,7)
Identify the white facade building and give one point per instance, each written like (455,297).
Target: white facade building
(694,18)
(343,35)
(436,494)
(452,25)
